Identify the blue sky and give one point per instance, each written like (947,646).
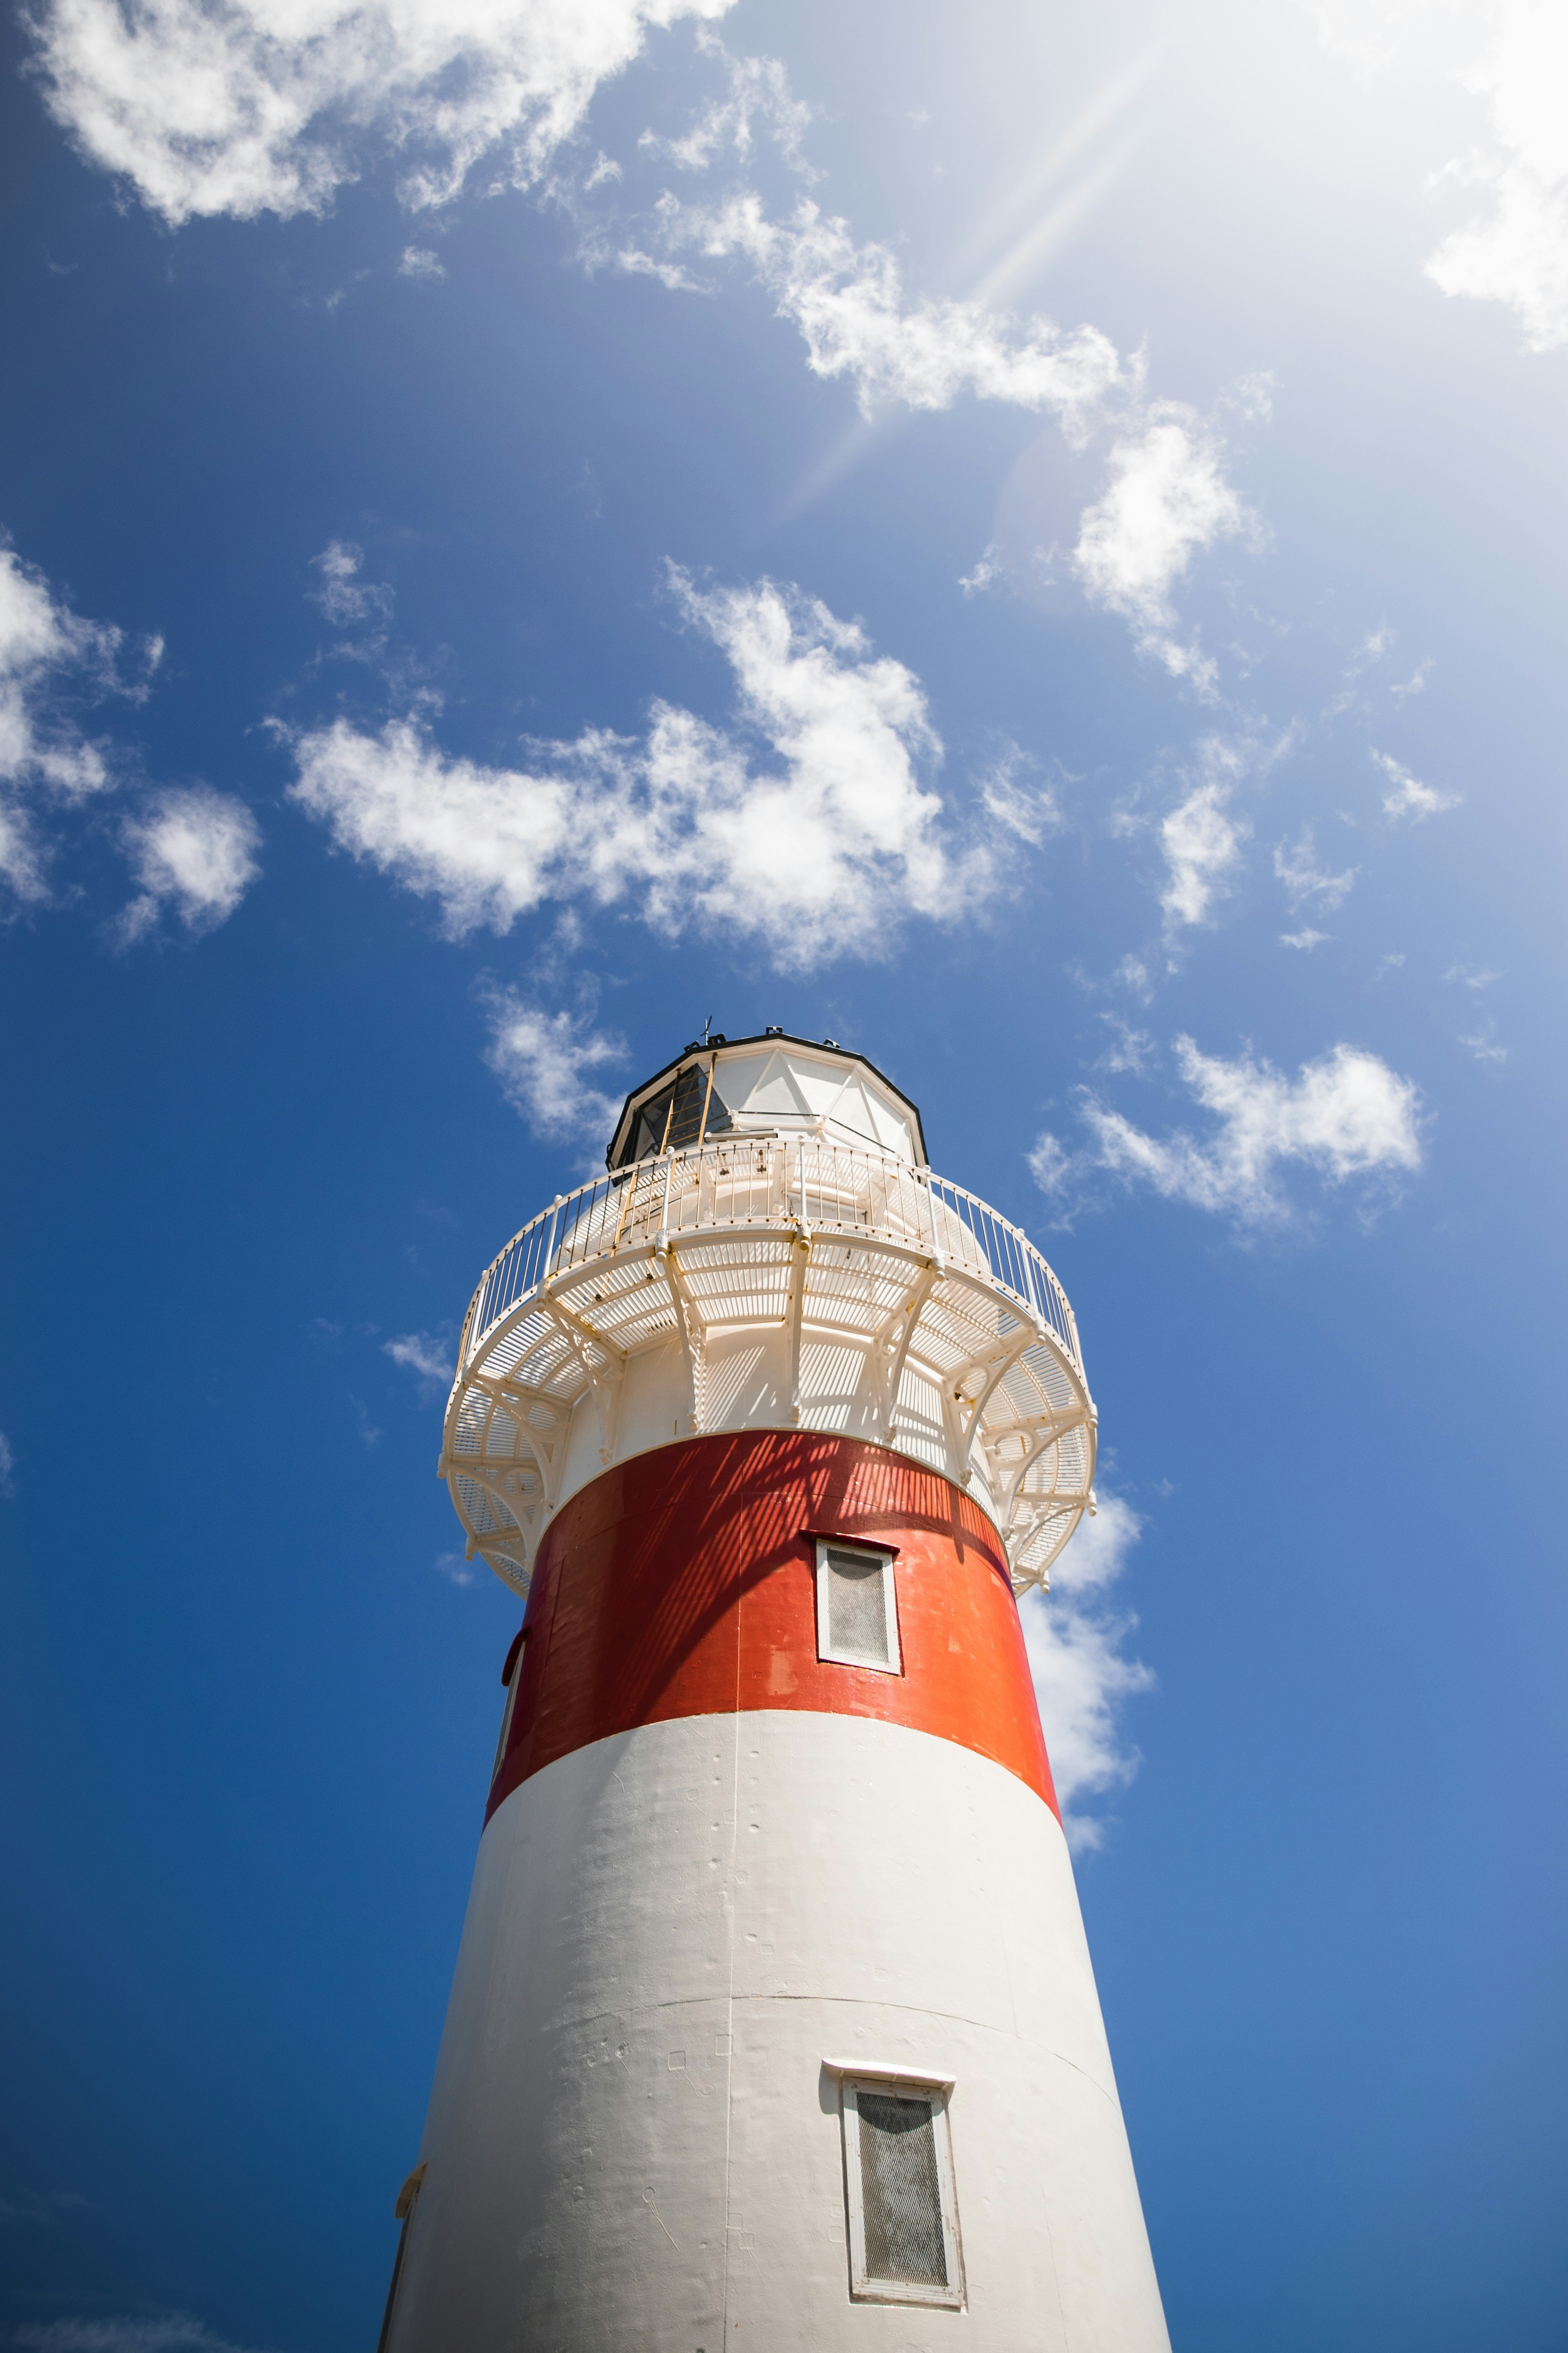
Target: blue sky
(1030,542)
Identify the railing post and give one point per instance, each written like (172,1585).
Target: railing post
(663,1242)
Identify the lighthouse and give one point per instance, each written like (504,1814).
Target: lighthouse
(774,2026)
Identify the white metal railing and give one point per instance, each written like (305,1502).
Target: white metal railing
(777,1182)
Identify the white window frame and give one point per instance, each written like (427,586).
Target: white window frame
(894,1665)
(512,1681)
(863,2287)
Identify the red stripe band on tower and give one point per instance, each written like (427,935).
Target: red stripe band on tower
(682,1582)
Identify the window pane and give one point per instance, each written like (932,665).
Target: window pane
(898,2190)
(857,1613)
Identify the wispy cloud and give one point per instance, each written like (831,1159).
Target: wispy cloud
(343,596)
(46,652)
(249,109)
(1297,866)
(1027,810)
(193,852)
(7,1466)
(1517,251)
(1367,33)
(756,98)
(1130,1049)
(1407,797)
(1345,1115)
(1165,501)
(1203,840)
(818,854)
(1083,1674)
(1481,1043)
(542,1060)
(419,261)
(859,321)
(427,1356)
(173,2332)
(988,569)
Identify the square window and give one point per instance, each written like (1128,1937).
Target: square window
(898,2175)
(856,1609)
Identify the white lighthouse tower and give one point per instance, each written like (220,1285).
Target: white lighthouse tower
(773,2025)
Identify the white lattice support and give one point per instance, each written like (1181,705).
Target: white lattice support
(994,1365)
(1040,1434)
(603,1363)
(692,1334)
(519,1402)
(890,1347)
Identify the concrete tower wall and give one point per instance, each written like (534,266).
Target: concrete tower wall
(720,1877)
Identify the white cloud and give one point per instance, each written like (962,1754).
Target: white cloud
(818,855)
(7,1466)
(1518,252)
(427,1356)
(1082,1677)
(21,854)
(1407,797)
(194,853)
(540,1060)
(756,90)
(1050,1164)
(1481,1043)
(1307,939)
(1297,867)
(418,262)
(1347,1115)
(1368,34)
(40,640)
(455,1569)
(1203,841)
(1029,811)
(1133,975)
(175,2332)
(849,304)
(43,647)
(273,105)
(988,567)
(1166,501)
(1130,1049)
(343,595)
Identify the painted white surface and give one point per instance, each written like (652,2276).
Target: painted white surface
(634,2146)
(746,1385)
